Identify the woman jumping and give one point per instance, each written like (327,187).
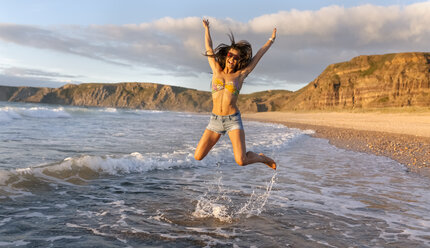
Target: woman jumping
(230,66)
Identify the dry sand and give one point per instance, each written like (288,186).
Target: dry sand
(404,137)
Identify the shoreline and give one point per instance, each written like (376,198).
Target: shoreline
(355,134)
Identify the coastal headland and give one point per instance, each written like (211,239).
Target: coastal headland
(373,103)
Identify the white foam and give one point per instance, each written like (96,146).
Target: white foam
(120,110)
(146,111)
(10,113)
(160,217)
(44,112)
(37,215)
(52,239)
(4,221)
(109,110)
(270,136)
(308,131)
(14,243)
(115,165)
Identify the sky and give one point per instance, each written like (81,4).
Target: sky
(53,43)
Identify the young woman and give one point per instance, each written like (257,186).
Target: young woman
(230,66)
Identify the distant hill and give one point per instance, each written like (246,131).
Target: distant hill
(122,95)
(137,95)
(375,81)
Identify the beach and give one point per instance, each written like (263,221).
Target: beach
(404,137)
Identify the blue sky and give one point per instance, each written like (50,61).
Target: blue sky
(51,43)
(85,12)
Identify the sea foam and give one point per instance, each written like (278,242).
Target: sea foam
(8,114)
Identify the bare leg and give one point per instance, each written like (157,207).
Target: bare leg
(242,157)
(207,141)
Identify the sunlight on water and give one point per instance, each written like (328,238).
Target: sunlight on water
(73,176)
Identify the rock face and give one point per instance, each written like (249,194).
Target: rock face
(121,95)
(377,81)
(271,100)
(140,96)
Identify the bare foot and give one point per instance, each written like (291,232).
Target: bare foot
(268,161)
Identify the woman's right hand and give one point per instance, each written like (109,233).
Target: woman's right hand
(273,34)
(206,23)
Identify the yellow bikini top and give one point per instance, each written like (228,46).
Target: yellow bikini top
(218,84)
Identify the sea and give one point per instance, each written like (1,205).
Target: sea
(108,177)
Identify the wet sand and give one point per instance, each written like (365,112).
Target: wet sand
(404,137)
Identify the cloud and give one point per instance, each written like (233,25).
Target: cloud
(11,80)
(307,41)
(18,76)
(27,72)
(61,39)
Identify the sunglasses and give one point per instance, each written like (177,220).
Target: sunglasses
(236,57)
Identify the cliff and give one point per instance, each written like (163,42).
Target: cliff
(376,81)
(136,95)
(122,95)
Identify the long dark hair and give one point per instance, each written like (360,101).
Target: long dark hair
(244,48)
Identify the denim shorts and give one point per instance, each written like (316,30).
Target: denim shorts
(225,123)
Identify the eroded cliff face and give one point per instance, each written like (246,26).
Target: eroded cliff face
(271,100)
(121,95)
(23,94)
(140,96)
(391,80)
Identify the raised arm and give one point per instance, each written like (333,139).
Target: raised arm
(259,54)
(208,45)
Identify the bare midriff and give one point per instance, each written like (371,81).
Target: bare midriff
(224,103)
(225,92)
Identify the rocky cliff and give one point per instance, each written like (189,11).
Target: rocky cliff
(377,81)
(122,95)
(137,95)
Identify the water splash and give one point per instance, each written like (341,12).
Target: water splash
(256,202)
(218,203)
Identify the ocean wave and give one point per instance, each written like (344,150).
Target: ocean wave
(79,170)
(146,111)
(44,112)
(109,111)
(9,113)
